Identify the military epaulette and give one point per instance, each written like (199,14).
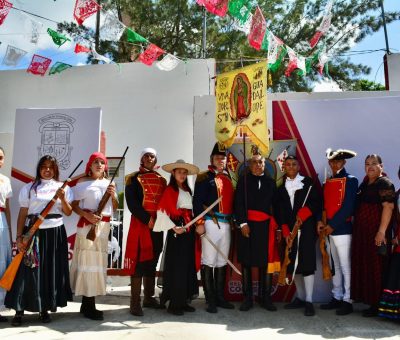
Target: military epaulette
(202,176)
(128,178)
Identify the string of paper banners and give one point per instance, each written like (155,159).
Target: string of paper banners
(246,14)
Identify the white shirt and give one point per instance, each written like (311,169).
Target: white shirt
(163,222)
(90,193)
(5,190)
(37,201)
(292,185)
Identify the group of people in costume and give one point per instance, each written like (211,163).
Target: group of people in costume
(358,222)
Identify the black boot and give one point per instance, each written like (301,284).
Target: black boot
(247,289)
(136,286)
(149,301)
(220,275)
(210,289)
(89,308)
(265,289)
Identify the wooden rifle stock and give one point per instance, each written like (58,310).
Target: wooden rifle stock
(286,261)
(91,235)
(7,280)
(326,268)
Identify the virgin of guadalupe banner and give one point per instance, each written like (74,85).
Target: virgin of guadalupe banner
(241,106)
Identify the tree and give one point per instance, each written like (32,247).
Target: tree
(366,85)
(176,26)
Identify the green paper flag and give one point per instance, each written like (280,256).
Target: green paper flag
(58,38)
(240,9)
(134,37)
(265,42)
(58,67)
(277,64)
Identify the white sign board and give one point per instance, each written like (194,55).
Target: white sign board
(69,135)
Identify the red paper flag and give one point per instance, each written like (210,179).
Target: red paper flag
(39,65)
(217,7)
(5,8)
(81,48)
(151,54)
(84,9)
(257,29)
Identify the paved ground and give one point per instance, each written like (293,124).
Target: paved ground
(158,324)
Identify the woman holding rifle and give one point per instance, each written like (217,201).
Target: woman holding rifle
(5,229)
(89,263)
(42,281)
(180,284)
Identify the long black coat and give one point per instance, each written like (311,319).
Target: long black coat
(253,251)
(286,215)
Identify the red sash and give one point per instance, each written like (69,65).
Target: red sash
(274,263)
(2,209)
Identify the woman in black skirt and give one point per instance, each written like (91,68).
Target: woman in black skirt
(180,284)
(42,281)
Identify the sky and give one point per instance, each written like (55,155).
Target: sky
(16,30)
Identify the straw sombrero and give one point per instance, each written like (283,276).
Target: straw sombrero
(181,164)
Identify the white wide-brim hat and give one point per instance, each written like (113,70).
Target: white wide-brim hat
(181,164)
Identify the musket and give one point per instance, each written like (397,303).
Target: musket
(326,268)
(7,280)
(282,274)
(91,235)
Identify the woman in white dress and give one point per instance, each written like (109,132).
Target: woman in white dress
(5,229)
(42,281)
(89,263)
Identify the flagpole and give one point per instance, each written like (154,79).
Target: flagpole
(245,173)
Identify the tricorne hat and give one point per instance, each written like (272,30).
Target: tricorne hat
(181,164)
(339,154)
(218,149)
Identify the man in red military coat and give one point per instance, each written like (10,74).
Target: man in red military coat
(143,191)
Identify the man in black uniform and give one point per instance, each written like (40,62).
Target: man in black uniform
(253,207)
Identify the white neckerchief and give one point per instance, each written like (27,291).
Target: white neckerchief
(292,185)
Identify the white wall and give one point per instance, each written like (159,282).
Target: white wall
(142,106)
(204,121)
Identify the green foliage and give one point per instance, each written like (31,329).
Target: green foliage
(176,26)
(121,200)
(366,85)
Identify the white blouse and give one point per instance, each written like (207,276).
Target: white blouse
(90,193)
(163,222)
(292,185)
(5,190)
(37,201)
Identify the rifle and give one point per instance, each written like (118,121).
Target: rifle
(326,268)
(7,280)
(282,274)
(91,235)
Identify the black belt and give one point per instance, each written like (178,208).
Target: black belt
(48,216)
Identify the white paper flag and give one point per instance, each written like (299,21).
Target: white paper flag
(112,28)
(99,56)
(32,26)
(245,27)
(168,63)
(13,56)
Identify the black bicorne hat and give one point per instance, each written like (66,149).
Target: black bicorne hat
(219,149)
(339,154)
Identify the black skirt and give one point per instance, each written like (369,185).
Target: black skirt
(180,284)
(389,304)
(45,287)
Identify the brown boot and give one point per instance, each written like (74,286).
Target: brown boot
(149,300)
(136,287)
